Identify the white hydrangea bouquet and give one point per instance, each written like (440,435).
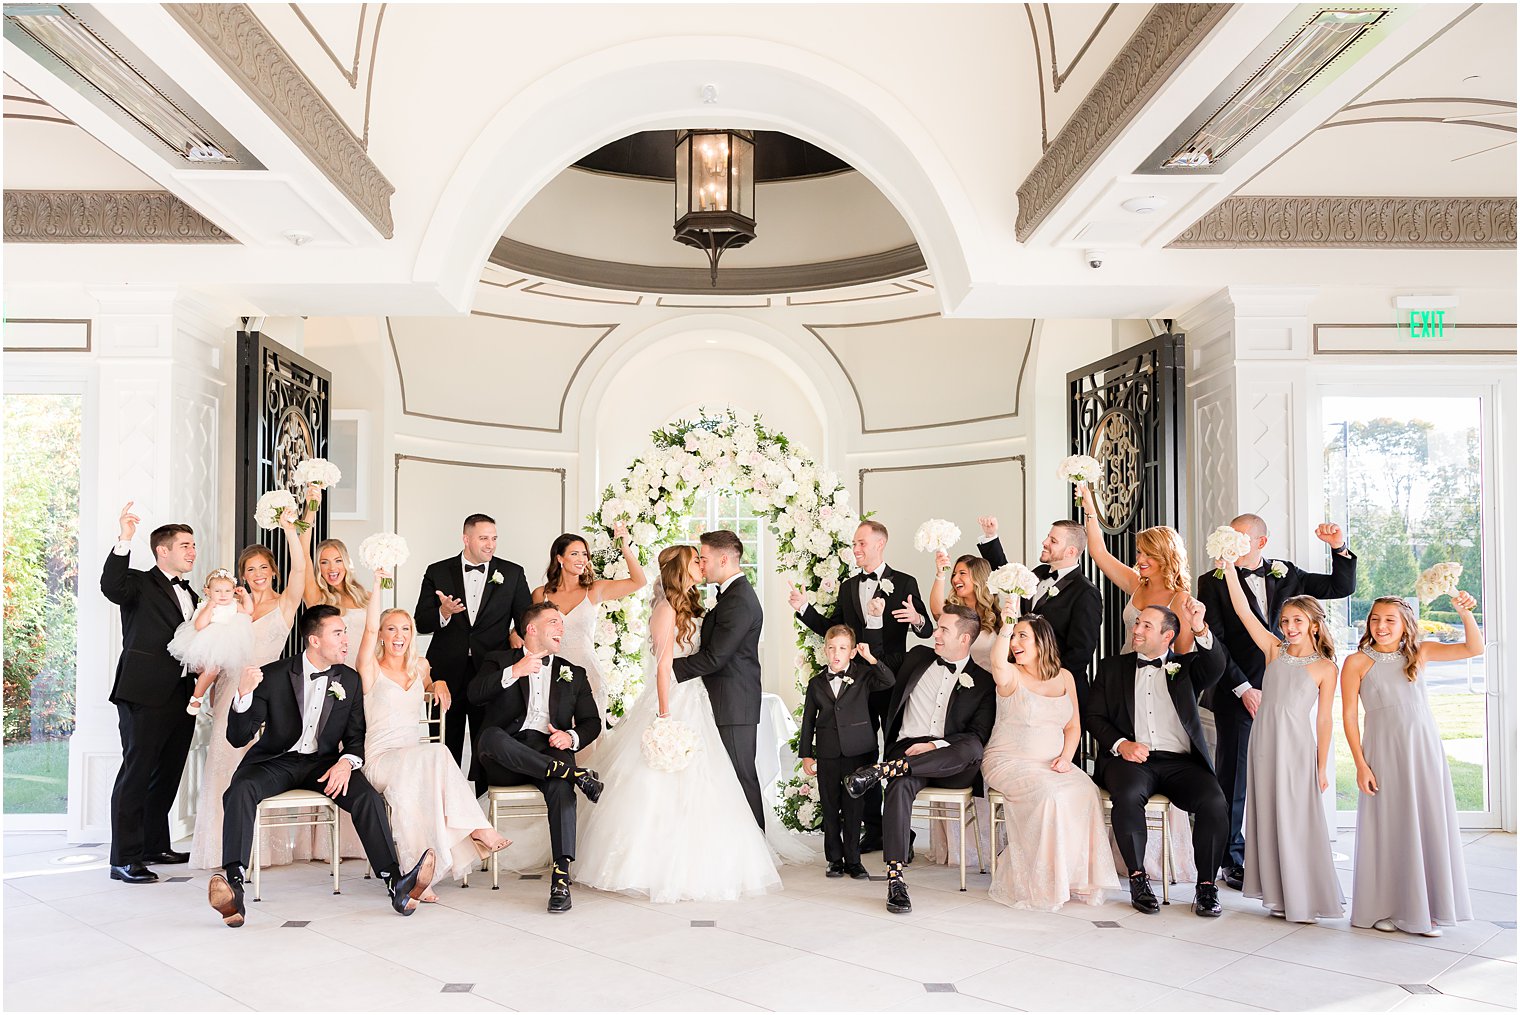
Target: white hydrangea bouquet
(1013,580)
(272,507)
(1438,580)
(936,536)
(1226,544)
(668,745)
(318,472)
(1079,469)
(384,549)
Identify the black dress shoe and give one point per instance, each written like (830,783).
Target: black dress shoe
(559,896)
(406,889)
(860,781)
(1140,894)
(133,874)
(897,896)
(166,857)
(857,871)
(1233,875)
(226,897)
(870,843)
(590,785)
(1206,902)
(836,870)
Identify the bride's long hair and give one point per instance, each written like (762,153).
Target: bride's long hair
(683,594)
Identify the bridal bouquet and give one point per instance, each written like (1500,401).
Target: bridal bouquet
(936,535)
(1438,580)
(1013,580)
(318,472)
(1079,469)
(1226,544)
(272,507)
(384,549)
(668,745)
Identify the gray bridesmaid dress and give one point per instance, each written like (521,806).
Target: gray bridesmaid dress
(1409,866)
(1289,866)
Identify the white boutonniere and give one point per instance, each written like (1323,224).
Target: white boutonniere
(1049,586)
(965,680)
(846,681)
(1172,669)
(565,675)
(496,578)
(336,690)
(1277,570)
(885,586)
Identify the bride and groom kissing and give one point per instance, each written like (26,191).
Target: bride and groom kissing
(672,836)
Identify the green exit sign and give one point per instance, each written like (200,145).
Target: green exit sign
(1427,324)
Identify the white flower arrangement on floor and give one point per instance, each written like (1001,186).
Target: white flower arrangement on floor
(1438,580)
(668,745)
(1226,544)
(384,549)
(936,535)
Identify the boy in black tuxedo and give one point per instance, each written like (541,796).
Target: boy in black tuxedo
(839,737)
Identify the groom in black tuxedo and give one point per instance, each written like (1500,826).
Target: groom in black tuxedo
(943,707)
(150,693)
(469,604)
(1143,715)
(729,659)
(892,624)
(1268,584)
(308,715)
(536,710)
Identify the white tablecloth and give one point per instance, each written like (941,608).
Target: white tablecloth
(773,754)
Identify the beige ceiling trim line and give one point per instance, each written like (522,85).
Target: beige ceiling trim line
(765,302)
(1439,98)
(369,84)
(24,98)
(536,291)
(860,404)
(540,262)
(1039,76)
(1057,77)
(43,119)
(105,216)
(552,470)
(503,285)
(923,282)
(1167,35)
(233,35)
(1388,223)
(559,426)
(901,289)
(860,493)
(1417,119)
(668,180)
(351,76)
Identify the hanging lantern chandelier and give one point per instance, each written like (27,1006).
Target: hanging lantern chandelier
(715,191)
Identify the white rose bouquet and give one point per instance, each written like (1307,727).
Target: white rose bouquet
(668,745)
(384,549)
(936,535)
(1438,580)
(318,472)
(1013,580)
(1226,544)
(1079,469)
(272,507)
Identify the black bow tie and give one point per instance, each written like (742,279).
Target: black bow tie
(1260,570)
(953,667)
(181,583)
(474,567)
(1147,664)
(321,673)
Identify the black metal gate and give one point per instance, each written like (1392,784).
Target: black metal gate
(284,410)
(1127,412)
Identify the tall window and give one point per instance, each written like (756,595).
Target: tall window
(1403,477)
(42,435)
(724,510)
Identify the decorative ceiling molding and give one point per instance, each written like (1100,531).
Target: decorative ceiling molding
(1431,223)
(350,74)
(235,38)
(515,255)
(1167,35)
(105,216)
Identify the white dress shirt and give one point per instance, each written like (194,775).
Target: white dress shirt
(1157,724)
(870,581)
(474,589)
(731,579)
(836,681)
(924,714)
(1054,579)
(315,694)
(537,717)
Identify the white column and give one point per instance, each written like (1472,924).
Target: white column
(157,432)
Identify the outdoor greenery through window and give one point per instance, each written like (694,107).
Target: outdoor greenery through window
(727,511)
(42,433)
(1403,477)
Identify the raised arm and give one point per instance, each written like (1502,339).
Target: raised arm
(1472,645)
(116,580)
(1004,673)
(300,570)
(1352,671)
(311,595)
(1114,569)
(366,663)
(991,547)
(1264,639)
(940,583)
(606,589)
(1341,581)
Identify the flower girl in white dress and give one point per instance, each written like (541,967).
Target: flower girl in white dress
(219,638)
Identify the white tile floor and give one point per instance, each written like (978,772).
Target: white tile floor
(74,940)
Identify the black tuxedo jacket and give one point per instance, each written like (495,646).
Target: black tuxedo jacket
(572,706)
(1110,715)
(971,712)
(458,647)
(146,674)
(1075,612)
(1245,661)
(729,660)
(278,704)
(894,633)
(836,727)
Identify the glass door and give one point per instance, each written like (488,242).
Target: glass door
(1404,476)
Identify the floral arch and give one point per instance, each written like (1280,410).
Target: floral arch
(804,506)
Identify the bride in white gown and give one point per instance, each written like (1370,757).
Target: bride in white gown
(687,835)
